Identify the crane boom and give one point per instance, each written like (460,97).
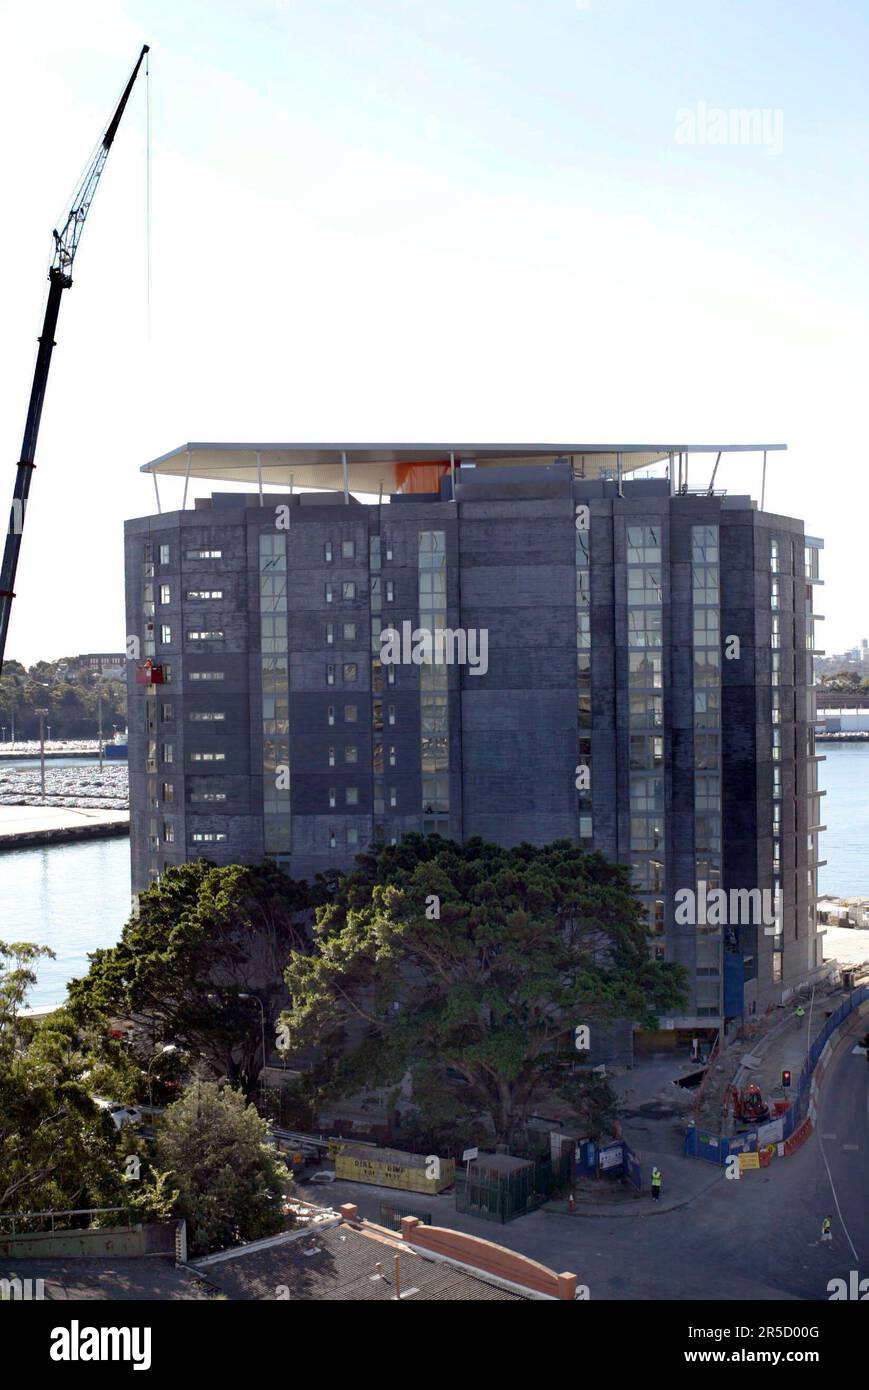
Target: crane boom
(60,278)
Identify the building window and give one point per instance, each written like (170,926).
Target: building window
(332,798)
(208,836)
(390,714)
(166,634)
(168,833)
(350,671)
(392,755)
(349,631)
(202,594)
(204,554)
(164,554)
(168,752)
(352,835)
(165,593)
(349,714)
(390,591)
(209,635)
(330,715)
(351,753)
(207,717)
(168,791)
(327,552)
(330,634)
(331,756)
(348,550)
(348,589)
(330,593)
(351,796)
(330,675)
(166,712)
(208,757)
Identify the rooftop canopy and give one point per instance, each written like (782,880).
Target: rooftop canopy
(405,467)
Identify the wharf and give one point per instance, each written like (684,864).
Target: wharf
(22,827)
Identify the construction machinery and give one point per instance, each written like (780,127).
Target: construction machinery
(749,1105)
(60,278)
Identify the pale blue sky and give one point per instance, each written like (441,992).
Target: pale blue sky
(444,220)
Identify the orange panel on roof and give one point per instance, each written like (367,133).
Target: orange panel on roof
(420,477)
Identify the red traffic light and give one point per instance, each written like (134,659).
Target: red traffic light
(785,1078)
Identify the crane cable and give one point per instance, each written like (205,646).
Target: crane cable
(148,192)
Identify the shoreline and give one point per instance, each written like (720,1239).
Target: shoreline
(47,825)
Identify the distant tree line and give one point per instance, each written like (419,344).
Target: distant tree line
(70,695)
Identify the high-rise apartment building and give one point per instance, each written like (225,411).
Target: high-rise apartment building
(637,678)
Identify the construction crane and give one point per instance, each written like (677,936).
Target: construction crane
(60,278)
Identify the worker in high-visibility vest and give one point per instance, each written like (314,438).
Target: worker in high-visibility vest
(826,1229)
(656,1184)
(800,1015)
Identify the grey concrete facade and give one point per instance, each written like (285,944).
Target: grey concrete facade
(512,733)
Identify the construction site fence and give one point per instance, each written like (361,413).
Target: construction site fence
(717,1148)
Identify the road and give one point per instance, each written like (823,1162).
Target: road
(755,1237)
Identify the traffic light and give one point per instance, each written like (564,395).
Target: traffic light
(785,1078)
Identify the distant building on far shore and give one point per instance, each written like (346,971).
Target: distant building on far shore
(108,664)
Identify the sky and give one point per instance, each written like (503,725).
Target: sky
(468,220)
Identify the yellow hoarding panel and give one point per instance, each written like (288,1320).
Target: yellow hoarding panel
(749,1160)
(409,1177)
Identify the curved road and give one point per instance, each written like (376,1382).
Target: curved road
(751,1238)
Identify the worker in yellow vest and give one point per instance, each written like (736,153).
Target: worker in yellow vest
(656,1184)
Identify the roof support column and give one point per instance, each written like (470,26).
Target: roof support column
(346,476)
(453,474)
(763,482)
(259,477)
(619,488)
(187,479)
(157,491)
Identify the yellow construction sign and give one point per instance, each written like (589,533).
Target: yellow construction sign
(749,1161)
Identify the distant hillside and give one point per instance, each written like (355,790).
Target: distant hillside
(69,694)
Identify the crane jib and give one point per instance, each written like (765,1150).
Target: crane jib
(66,244)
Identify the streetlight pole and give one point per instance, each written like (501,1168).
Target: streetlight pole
(42,713)
(257,1000)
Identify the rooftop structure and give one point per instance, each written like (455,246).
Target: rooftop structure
(402,468)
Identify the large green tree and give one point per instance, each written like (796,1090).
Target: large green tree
(230,1183)
(57,1148)
(469,966)
(202,936)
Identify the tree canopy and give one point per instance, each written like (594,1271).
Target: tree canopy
(201,937)
(57,1149)
(230,1183)
(468,966)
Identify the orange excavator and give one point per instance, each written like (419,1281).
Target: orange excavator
(749,1105)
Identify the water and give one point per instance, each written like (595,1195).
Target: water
(845,812)
(72,898)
